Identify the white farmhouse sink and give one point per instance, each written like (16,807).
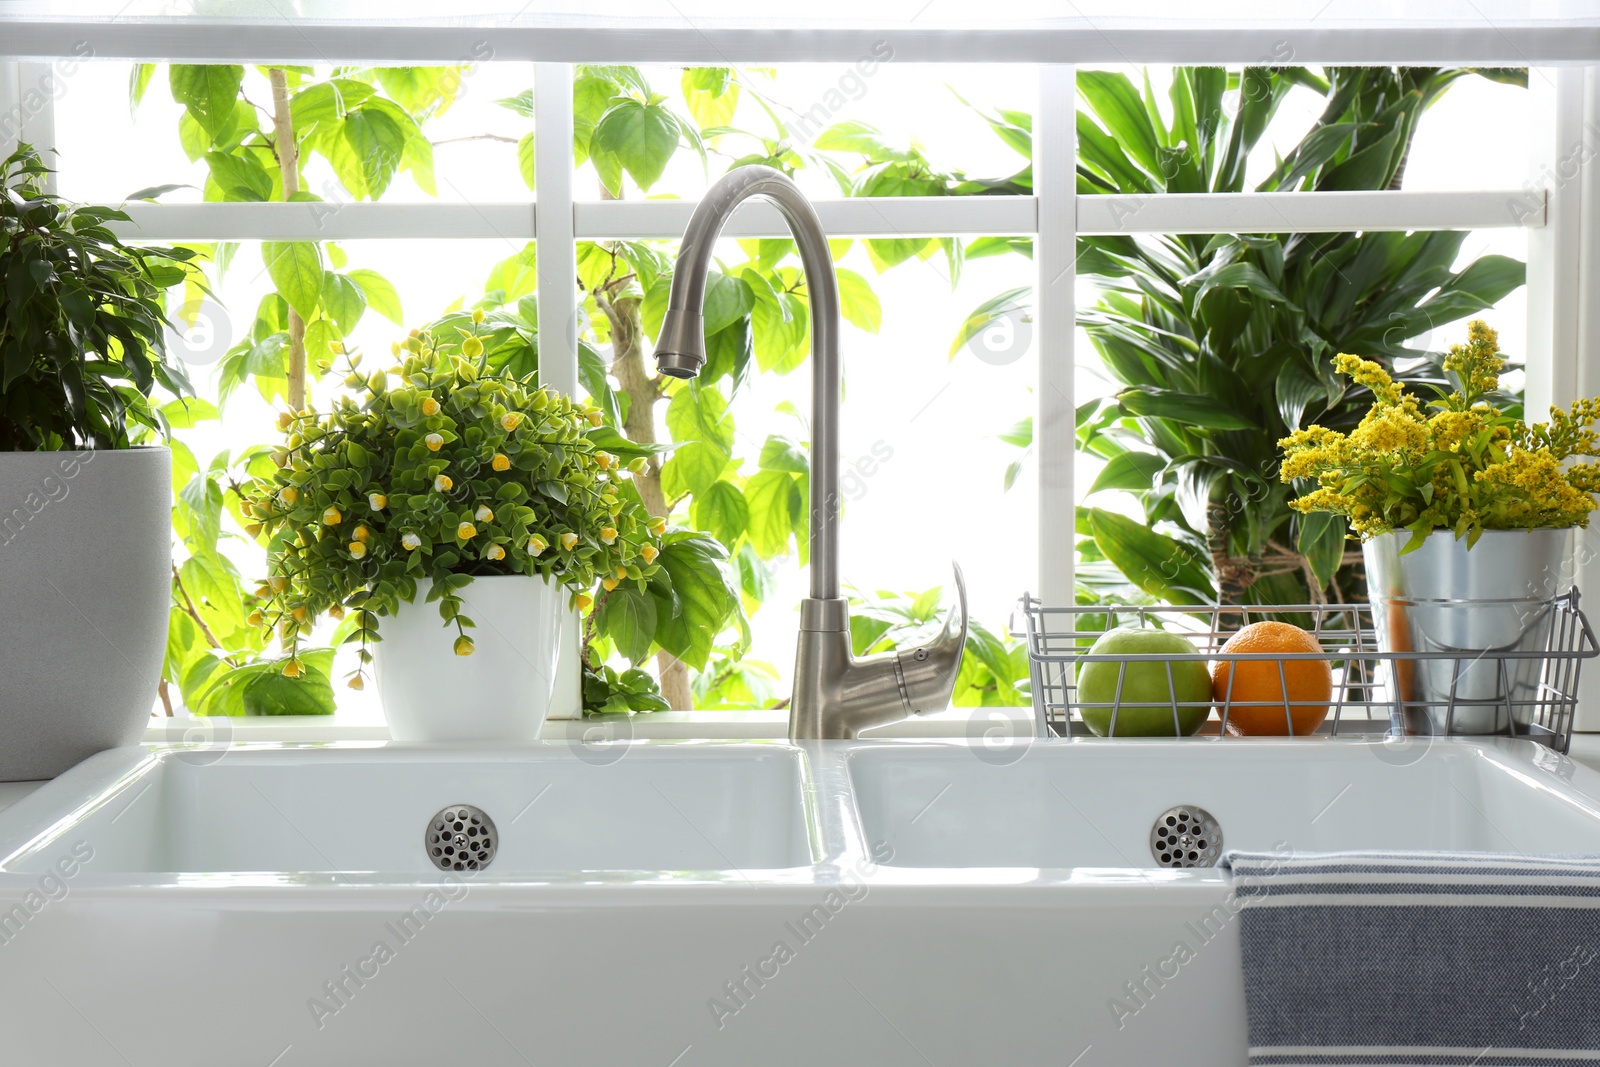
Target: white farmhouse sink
(1093,805)
(559,808)
(690,903)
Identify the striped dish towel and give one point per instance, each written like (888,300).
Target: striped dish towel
(1429,958)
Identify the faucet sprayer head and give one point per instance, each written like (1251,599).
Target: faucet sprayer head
(681,345)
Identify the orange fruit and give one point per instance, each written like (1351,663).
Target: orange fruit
(1258,682)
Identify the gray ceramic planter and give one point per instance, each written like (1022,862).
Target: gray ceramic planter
(85,583)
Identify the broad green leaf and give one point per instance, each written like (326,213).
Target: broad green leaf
(342,300)
(1129,470)
(380,294)
(515,276)
(1481,285)
(756,579)
(693,468)
(192,137)
(696,567)
(1245,276)
(1020,435)
(327,100)
(377,143)
(207,92)
(591,95)
(1192,408)
(296,271)
(858,303)
(991,310)
(199,508)
(780,324)
(641,137)
(868,140)
(891,252)
(1370,168)
(784,454)
(698,413)
(526,159)
(1103,153)
(721,511)
(1117,104)
(522,103)
(775,503)
(417,160)
(138,82)
(428,90)
(628,617)
(268,692)
(1321,540)
(323,340)
(1156,563)
(711,95)
(240,177)
(185,412)
(728,299)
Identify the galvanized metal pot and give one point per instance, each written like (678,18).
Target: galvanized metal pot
(1493,598)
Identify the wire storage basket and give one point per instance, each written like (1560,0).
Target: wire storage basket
(1527,690)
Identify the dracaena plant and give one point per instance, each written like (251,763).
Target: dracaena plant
(442,468)
(1220,345)
(1223,344)
(1464,462)
(82,341)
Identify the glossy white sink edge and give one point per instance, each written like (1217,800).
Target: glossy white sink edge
(840,841)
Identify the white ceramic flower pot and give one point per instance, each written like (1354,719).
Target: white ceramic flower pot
(502,692)
(85,591)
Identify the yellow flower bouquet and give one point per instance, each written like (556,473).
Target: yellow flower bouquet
(1461,463)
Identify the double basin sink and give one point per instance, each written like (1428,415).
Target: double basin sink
(685,902)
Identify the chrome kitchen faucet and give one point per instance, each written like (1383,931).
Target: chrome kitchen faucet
(835,694)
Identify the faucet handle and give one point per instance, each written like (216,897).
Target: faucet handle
(928,672)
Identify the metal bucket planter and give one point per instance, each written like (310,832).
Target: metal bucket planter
(1492,604)
(85,590)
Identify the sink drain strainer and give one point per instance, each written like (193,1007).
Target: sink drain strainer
(1186,836)
(461,838)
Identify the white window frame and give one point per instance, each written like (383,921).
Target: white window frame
(1559,210)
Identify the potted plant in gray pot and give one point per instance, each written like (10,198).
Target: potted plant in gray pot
(1466,515)
(85,508)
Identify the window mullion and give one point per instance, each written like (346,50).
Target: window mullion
(1055,438)
(557,268)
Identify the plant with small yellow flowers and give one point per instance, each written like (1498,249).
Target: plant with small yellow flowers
(1465,463)
(442,468)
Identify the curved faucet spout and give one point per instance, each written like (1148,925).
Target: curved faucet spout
(681,345)
(835,694)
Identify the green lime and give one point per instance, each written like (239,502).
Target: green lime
(1144,682)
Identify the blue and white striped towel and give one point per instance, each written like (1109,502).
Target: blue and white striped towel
(1428,958)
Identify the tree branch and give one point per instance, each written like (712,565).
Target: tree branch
(193,612)
(288,153)
(475,137)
